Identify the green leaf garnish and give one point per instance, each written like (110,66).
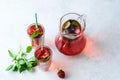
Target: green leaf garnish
(29,64)
(21,62)
(75,23)
(9,67)
(32,59)
(29,49)
(15,68)
(46,59)
(30,69)
(35,34)
(23,54)
(22,68)
(11,54)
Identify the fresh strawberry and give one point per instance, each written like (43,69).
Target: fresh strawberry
(61,74)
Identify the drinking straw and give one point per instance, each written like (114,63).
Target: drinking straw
(36,25)
(42,45)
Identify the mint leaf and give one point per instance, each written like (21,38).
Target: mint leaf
(23,54)
(29,64)
(9,67)
(32,59)
(74,23)
(21,61)
(35,34)
(11,54)
(46,59)
(30,69)
(18,65)
(15,68)
(34,64)
(29,49)
(22,67)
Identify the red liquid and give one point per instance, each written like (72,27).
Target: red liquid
(71,40)
(36,42)
(70,48)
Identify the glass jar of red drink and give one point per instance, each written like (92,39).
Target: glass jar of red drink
(35,34)
(71,40)
(44,57)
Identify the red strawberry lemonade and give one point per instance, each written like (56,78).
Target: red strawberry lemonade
(35,34)
(71,40)
(43,57)
(68,47)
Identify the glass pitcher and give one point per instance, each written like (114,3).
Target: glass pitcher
(71,40)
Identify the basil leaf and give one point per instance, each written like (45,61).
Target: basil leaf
(23,54)
(22,67)
(29,49)
(15,68)
(29,64)
(46,59)
(18,65)
(30,69)
(9,67)
(21,61)
(11,54)
(35,34)
(34,64)
(32,59)
(74,23)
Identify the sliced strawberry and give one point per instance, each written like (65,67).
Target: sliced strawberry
(31,30)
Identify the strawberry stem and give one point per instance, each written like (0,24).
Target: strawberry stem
(36,25)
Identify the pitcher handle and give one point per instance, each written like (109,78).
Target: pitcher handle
(82,19)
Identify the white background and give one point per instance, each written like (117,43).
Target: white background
(100,60)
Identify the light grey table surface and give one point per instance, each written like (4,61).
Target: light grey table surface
(100,60)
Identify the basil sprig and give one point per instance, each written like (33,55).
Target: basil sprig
(20,62)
